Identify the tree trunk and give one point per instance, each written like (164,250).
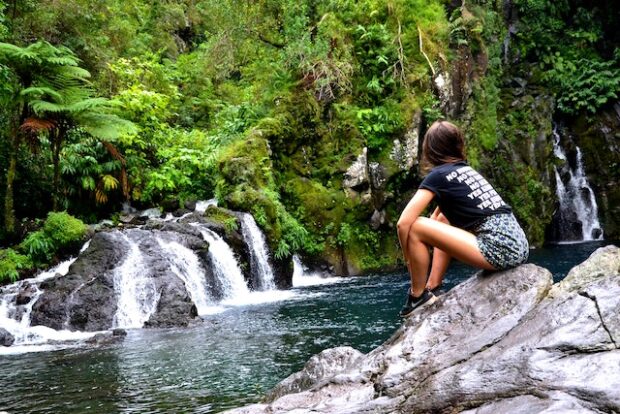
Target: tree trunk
(9,209)
(56,136)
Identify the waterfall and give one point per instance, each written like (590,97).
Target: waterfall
(136,292)
(15,318)
(577,216)
(202,206)
(302,277)
(226,268)
(185,264)
(138,281)
(259,255)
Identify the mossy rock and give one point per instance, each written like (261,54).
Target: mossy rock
(223,218)
(246,162)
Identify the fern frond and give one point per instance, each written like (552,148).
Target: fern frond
(39,91)
(40,107)
(109,182)
(89,104)
(101,197)
(35,125)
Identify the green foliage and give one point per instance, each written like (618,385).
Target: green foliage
(64,229)
(575,46)
(582,84)
(39,247)
(219,215)
(379,125)
(60,231)
(12,263)
(484,125)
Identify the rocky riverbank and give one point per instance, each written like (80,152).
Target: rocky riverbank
(509,342)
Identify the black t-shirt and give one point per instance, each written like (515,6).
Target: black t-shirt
(463,195)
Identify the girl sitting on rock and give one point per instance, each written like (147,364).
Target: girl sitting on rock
(471,222)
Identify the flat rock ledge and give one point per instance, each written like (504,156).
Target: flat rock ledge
(510,342)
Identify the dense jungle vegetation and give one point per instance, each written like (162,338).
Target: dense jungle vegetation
(264,104)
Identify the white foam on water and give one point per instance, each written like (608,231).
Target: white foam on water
(262,298)
(185,264)
(136,293)
(202,206)
(226,268)
(151,213)
(259,254)
(33,338)
(301,276)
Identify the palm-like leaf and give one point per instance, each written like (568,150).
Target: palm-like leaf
(37,92)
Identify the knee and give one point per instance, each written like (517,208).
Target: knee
(417,227)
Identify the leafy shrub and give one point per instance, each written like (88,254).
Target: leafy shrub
(39,247)
(11,263)
(64,229)
(583,84)
(60,230)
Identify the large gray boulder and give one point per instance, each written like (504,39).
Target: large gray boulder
(508,342)
(87,298)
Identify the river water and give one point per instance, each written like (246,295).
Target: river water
(232,358)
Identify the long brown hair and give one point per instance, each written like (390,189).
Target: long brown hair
(443,143)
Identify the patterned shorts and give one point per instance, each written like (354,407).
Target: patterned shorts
(502,241)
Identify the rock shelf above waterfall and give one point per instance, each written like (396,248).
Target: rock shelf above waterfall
(509,342)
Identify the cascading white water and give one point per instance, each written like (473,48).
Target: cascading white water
(185,264)
(16,318)
(136,288)
(226,268)
(136,293)
(576,197)
(302,277)
(259,255)
(202,206)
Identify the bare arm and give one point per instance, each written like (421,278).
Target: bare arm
(410,214)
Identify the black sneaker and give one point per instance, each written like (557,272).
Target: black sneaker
(438,291)
(411,304)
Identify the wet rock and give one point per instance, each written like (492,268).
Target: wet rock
(86,299)
(119,332)
(190,204)
(356,177)
(405,150)
(325,364)
(6,339)
(181,212)
(25,295)
(506,342)
(282,272)
(104,338)
(378,219)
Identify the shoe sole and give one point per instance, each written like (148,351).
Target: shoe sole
(428,302)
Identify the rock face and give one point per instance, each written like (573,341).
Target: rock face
(6,339)
(508,342)
(86,300)
(160,273)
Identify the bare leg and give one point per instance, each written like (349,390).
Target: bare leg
(441,261)
(453,241)
(419,260)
